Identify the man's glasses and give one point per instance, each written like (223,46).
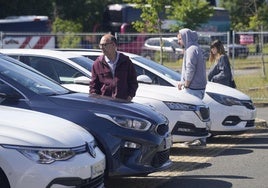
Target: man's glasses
(105,44)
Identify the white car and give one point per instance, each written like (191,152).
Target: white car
(41,150)
(231,111)
(169,46)
(188,116)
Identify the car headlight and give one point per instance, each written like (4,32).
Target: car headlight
(127,122)
(43,155)
(225,100)
(180,106)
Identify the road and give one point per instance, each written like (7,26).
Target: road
(237,161)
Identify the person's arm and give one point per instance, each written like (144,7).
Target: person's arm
(94,85)
(224,72)
(132,81)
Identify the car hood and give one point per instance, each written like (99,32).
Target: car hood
(31,128)
(157,92)
(107,105)
(166,93)
(222,89)
(225,90)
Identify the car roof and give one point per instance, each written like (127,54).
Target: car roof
(134,58)
(39,52)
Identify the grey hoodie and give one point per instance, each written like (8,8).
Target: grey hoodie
(194,65)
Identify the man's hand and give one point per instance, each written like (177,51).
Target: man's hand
(180,85)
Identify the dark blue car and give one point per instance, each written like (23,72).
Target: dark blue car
(134,138)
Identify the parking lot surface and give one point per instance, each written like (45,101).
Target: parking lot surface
(193,163)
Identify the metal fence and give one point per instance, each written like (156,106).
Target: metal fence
(238,44)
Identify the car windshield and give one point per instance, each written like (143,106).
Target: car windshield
(83,62)
(27,77)
(159,68)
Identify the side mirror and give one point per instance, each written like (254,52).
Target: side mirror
(144,79)
(82,80)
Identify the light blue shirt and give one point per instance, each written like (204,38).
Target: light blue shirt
(112,64)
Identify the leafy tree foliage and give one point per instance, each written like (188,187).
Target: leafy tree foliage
(190,14)
(151,16)
(247,14)
(66,33)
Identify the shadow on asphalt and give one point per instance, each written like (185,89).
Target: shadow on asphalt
(199,182)
(175,182)
(241,145)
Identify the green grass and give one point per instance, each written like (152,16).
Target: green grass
(253,83)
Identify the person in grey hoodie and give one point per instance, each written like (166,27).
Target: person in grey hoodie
(193,74)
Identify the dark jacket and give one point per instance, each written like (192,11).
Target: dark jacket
(123,84)
(221,72)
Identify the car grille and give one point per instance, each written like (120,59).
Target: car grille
(234,120)
(188,129)
(162,129)
(231,121)
(160,158)
(248,104)
(250,123)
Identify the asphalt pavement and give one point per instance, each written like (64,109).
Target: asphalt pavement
(228,161)
(262,115)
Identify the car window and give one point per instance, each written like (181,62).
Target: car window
(92,57)
(85,62)
(161,69)
(53,68)
(8,91)
(155,79)
(25,77)
(167,44)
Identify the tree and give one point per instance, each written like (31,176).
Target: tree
(190,14)
(185,13)
(87,12)
(247,14)
(155,12)
(151,15)
(66,33)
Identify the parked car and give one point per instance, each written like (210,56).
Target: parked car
(41,150)
(171,49)
(134,138)
(188,116)
(231,111)
(205,40)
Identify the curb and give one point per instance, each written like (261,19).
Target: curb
(260,123)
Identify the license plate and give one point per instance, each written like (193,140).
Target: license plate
(98,169)
(168,142)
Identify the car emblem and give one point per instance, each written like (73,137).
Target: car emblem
(90,149)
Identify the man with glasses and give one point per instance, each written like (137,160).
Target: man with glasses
(113,73)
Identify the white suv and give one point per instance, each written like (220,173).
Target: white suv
(41,150)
